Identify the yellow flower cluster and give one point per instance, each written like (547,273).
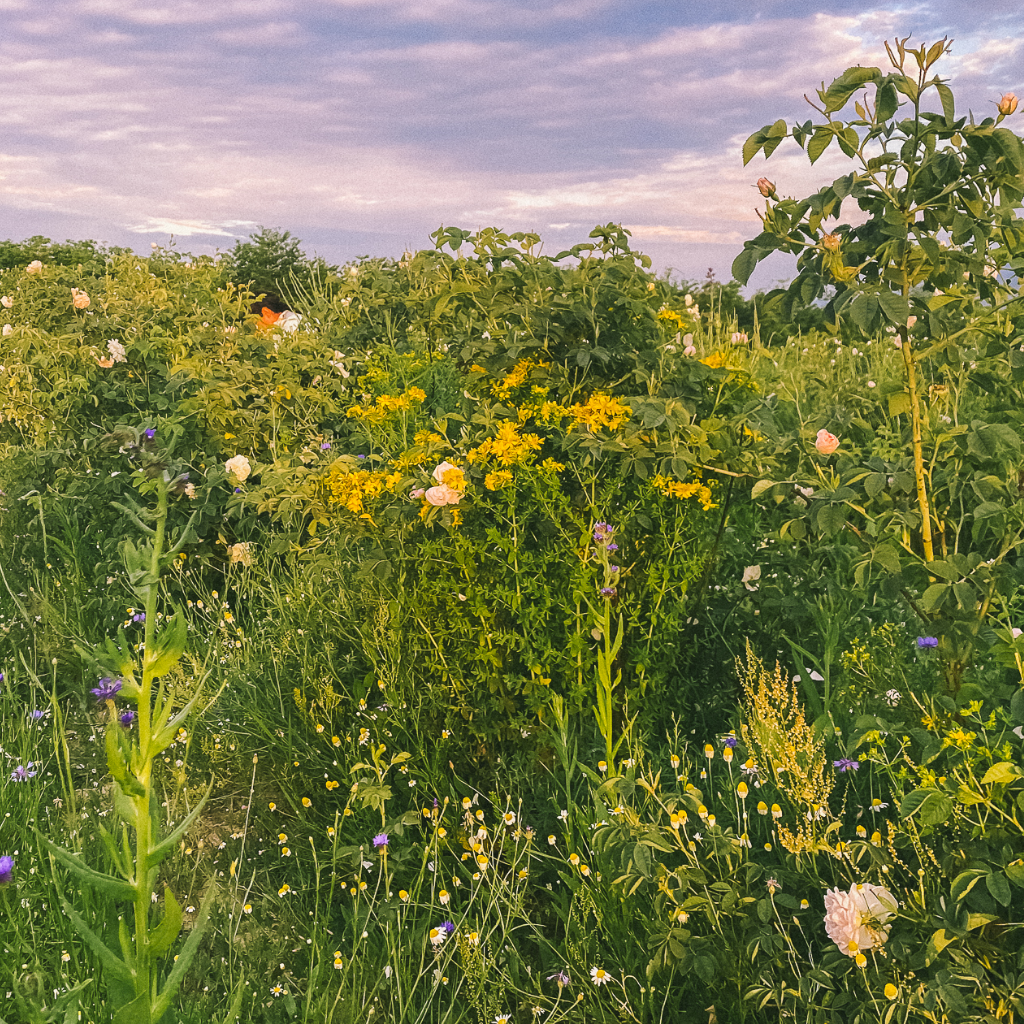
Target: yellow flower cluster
(498,479)
(385,405)
(354,490)
(508,447)
(515,377)
(672,318)
(600,411)
(677,489)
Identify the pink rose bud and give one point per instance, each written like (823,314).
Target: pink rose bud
(417,492)
(825,442)
(1007,105)
(765,187)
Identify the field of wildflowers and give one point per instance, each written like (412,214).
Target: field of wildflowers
(486,636)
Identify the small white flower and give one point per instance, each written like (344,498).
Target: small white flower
(599,976)
(751,573)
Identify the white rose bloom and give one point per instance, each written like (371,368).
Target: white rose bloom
(439,471)
(238,467)
(288,321)
(859,919)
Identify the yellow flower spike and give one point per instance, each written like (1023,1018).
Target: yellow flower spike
(891,991)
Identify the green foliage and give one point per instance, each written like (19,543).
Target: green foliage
(271,262)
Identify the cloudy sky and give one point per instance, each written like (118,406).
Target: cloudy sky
(362,125)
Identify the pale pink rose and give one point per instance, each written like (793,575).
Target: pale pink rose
(417,492)
(238,467)
(689,351)
(825,442)
(765,187)
(6,302)
(859,919)
(442,494)
(35,267)
(439,471)
(80,300)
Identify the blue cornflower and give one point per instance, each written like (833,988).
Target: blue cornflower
(139,617)
(380,841)
(108,689)
(36,715)
(326,446)
(844,764)
(22,773)
(447,927)
(6,869)
(927,641)
(127,719)
(149,434)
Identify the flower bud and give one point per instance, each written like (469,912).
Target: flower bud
(766,187)
(1007,105)
(830,242)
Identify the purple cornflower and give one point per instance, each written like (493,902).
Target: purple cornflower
(844,764)
(326,446)
(381,841)
(613,568)
(139,617)
(238,490)
(927,641)
(35,714)
(730,741)
(447,927)
(127,719)
(562,977)
(107,690)
(612,547)
(22,773)
(6,869)
(608,591)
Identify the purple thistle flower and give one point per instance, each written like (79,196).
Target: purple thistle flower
(927,641)
(108,689)
(6,869)
(380,841)
(603,533)
(127,719)
(22,773)
(844,764)
(730,741)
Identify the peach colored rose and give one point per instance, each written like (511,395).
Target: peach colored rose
(6,302)
(80,300)
(442,494)
(440,470)
(35,267)
(825,442)
(765,187)
(1007,105)
(105,363)
(830,242)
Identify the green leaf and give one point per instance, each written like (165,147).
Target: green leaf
(895,307)
(1015,873)
(753,145)
(168,844)
(998,887)
(946,96)
(744,264)
(886,101)
(931,806)
(965,882)
(934,596)
(118,888)
(188,952)
(138,1011)
(820,141)
(899,403)
(163,936)
(168,646)
(846,85)
(760,487)
(111,961)
(864,310)
(874,484)
(1002,773)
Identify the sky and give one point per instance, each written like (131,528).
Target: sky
(363,125)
